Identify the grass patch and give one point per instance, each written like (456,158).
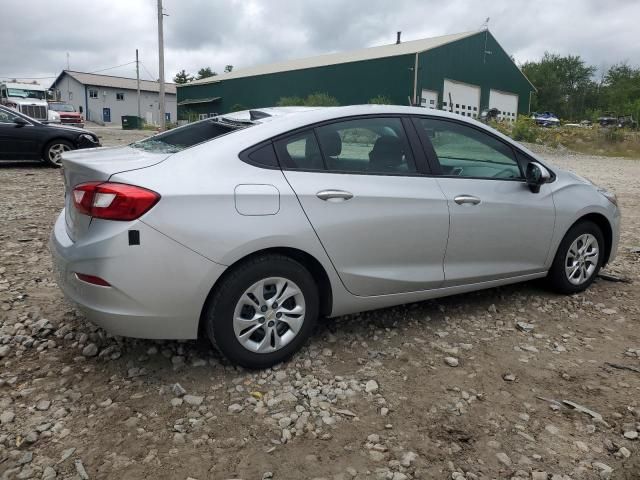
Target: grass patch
(611,142)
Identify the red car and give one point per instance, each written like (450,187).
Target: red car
(68,114)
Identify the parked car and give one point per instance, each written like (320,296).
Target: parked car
(627,121)
(608,119)
(489,114)
(68,114)
(24,138)
(248,227)
(546,119)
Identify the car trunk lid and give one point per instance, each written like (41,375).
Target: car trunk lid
(93,165)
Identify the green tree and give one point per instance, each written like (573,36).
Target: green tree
(316,99)
(205,72)
(228,68)
(380,100)
(564,84)
(621,90)
(182,77)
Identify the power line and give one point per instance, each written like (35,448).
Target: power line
(148,73)
(111,68)
(25,77)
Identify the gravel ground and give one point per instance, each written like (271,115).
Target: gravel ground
(466,387)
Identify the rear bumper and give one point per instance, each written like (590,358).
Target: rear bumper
(158,288)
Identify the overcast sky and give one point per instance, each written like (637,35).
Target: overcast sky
(35,35)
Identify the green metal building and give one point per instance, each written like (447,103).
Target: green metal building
(463,73)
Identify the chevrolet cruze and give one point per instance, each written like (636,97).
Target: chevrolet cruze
(248,227)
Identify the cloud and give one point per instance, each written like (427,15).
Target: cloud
(37,34)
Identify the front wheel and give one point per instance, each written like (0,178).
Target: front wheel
(578,259)
(54,150)
(263,311)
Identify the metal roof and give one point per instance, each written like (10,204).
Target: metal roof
(404,48)
(124,83)
(191,101)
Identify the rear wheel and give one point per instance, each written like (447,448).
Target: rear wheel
(578,259)
(263,311)
(54,150)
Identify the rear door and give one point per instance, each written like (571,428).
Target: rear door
(499,228)
(383,223)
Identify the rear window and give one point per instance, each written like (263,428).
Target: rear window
(184,137)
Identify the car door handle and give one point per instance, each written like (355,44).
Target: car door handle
(464,199)
(334,195)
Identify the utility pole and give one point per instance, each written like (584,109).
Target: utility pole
(138,80)
(68,68)
(161,64)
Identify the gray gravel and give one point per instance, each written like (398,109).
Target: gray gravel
(466,387)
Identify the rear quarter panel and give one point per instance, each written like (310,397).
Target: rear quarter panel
(198,208)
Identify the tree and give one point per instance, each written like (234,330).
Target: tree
(564,84)
(228,68)
(380,100)
(316,99)
(205,72)
(621,90)
(182,77)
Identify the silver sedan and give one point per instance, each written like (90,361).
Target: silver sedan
(248,227)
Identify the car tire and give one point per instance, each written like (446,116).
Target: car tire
(578,259)
(247,327)
(54,149)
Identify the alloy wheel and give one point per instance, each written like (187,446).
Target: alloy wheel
(582,259)
(269,315)
(55,152)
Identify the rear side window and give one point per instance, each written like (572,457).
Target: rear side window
(464,151)
(261,156)
(300,152)
(366,145)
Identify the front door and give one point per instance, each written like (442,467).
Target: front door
(499,228)
(17,142)
(106,115)
(383,225)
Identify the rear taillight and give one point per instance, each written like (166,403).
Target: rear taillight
(113,201)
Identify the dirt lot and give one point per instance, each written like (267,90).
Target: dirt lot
(371,396)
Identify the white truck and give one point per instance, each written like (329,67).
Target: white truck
(29,99)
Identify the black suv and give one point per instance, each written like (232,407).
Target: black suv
(23,138)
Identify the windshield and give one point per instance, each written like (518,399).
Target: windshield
(61,107)
(184,137)
(21,93)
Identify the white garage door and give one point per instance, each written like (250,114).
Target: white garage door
(506,103)
(429,99)
(461,98)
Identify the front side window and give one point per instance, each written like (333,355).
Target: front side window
(464,151)
(5,117)
(93,93)
(119,96)
(366,145)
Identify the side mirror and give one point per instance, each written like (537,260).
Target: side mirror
(536,176)
(19,121)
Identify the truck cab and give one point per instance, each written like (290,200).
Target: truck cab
(28,98)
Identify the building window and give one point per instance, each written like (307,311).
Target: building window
(93,93)
(70,95)
(119,96)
